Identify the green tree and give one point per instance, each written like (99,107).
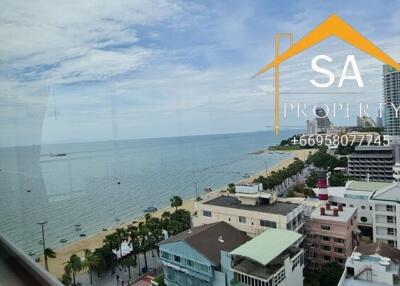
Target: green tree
(338,179)
(128,262)
(312,179)
(120,236)
(49,253)
(134,240)
(330,274)
(231,188)
(290,194)
(143,233)
(73,266)
(66,279)
(91,262)
(176,202)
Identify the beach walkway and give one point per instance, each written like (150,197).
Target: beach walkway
(107,279)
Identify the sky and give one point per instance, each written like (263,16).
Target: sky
(79,71)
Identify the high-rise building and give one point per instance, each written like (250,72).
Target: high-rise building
(391,92)
(365,122)
(320,124)
(371,163)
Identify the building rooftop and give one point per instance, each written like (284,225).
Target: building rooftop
(357,282)
(366,186)
(268,245)
(379,248)
(391,193)
(373,148)
(210,239)
(281,208)
(343,216)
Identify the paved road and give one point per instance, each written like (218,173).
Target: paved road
(107,279)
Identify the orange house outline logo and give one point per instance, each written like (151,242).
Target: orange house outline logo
(332,26)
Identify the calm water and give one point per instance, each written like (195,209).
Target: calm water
(82,187)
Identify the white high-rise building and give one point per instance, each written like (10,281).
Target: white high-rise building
(391,96)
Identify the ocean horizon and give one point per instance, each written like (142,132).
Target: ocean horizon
(102,184)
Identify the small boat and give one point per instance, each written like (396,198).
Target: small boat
(40,242)
(150,209)
(82,235)
(63,240)
(58,154)
(28,191)
(104,229)
(208,189)
(246,175)
(31,253)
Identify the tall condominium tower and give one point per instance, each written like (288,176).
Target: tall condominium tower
(391,93)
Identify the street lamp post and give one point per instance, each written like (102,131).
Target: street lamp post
(46,266)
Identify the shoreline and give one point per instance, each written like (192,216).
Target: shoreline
(95,240)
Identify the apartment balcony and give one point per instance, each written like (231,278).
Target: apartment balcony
(18,269)
(250,268)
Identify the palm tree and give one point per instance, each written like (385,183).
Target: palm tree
(128,262)
(66,277)
(91,262)
(73,266)
(155,233)
(176,202)
(143,239)
(135,243)
(120,235)
(111,243)
(49,253)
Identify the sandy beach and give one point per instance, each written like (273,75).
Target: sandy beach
(56,265)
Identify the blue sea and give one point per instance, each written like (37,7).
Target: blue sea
(101,184)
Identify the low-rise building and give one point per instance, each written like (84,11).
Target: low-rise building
(372,264)
(385,211)
(356,194)
(193,257)
(250,213)
(271,258)
(331,235)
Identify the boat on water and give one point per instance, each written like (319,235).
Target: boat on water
(150,209)
(58,154)
(246,175)
(208,189)
(82,235)
(63,240)
(31,253)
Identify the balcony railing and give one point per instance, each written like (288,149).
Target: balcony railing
(18,269)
